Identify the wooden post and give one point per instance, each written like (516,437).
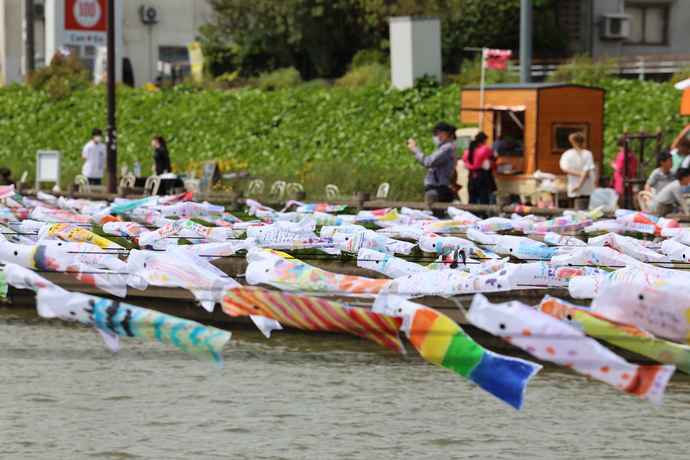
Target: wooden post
(664,208)
(361,198)
(21,187)
(234,205)
(501,199)
(123,192)
(72,189)
(581,204)
(299,195)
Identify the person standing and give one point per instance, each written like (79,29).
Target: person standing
(619,165)
(619,173)
(578,164)
(161,156)
(6,176)
(93,158)
(478,159)
(440,164)
(681,154)
(662,175)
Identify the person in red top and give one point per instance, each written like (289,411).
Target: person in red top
(619,164)
(479,159)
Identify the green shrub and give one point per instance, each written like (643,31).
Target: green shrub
(369,56)
(471,74)
(679,75)
(366,75)
(318,83)
(582,71)
(62,76)
(287,77)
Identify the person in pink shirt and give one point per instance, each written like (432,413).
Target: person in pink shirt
(619,164)
(479,159)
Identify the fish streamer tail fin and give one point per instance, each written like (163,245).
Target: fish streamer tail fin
(504,377)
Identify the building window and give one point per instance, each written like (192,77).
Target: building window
(648,24)
(173,54)
(560,133)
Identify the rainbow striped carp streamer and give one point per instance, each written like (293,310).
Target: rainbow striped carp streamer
(314,314)
(441,341)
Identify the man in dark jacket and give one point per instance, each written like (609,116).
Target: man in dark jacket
(440,164)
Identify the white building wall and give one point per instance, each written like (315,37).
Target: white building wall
(415,49)
(179,26)
(678,37)
(11,41)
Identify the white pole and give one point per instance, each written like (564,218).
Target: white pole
(481,90)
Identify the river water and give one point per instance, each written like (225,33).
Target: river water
(63,395)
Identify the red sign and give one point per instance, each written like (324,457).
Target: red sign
(85,15)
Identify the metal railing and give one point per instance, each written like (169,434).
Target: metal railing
(630,65)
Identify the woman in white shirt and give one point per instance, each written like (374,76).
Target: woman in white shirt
(578,164)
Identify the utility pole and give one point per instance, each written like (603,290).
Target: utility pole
(525,41)
(111,155)
(29,47)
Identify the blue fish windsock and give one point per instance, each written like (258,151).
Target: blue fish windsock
(203,342)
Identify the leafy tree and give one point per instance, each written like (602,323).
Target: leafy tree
(270,34)
(327,33)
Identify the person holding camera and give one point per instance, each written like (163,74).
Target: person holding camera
(440,164)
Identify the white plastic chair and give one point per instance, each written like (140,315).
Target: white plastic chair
(83,183)
(255,188)
(128,180)
(293,187)
(152,185)
(332,192)
(382,193)
(278,189)
(192,184)
(644,198)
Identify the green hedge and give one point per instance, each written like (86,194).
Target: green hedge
(353,138)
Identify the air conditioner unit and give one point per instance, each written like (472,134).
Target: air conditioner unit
(39,11)
(150,14)
(614,26)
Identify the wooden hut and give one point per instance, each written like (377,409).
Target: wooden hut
(532,123)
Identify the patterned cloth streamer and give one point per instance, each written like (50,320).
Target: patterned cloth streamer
(70,232)
(386,264)
(662,311)
(55,259)
(371,240)
(124,320)
(314,314)
(621,335)
(293,275)
(176,226)
(550,339)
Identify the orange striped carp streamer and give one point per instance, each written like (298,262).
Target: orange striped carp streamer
(314,314)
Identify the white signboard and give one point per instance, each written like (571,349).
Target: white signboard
(100,65)
(48,167)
